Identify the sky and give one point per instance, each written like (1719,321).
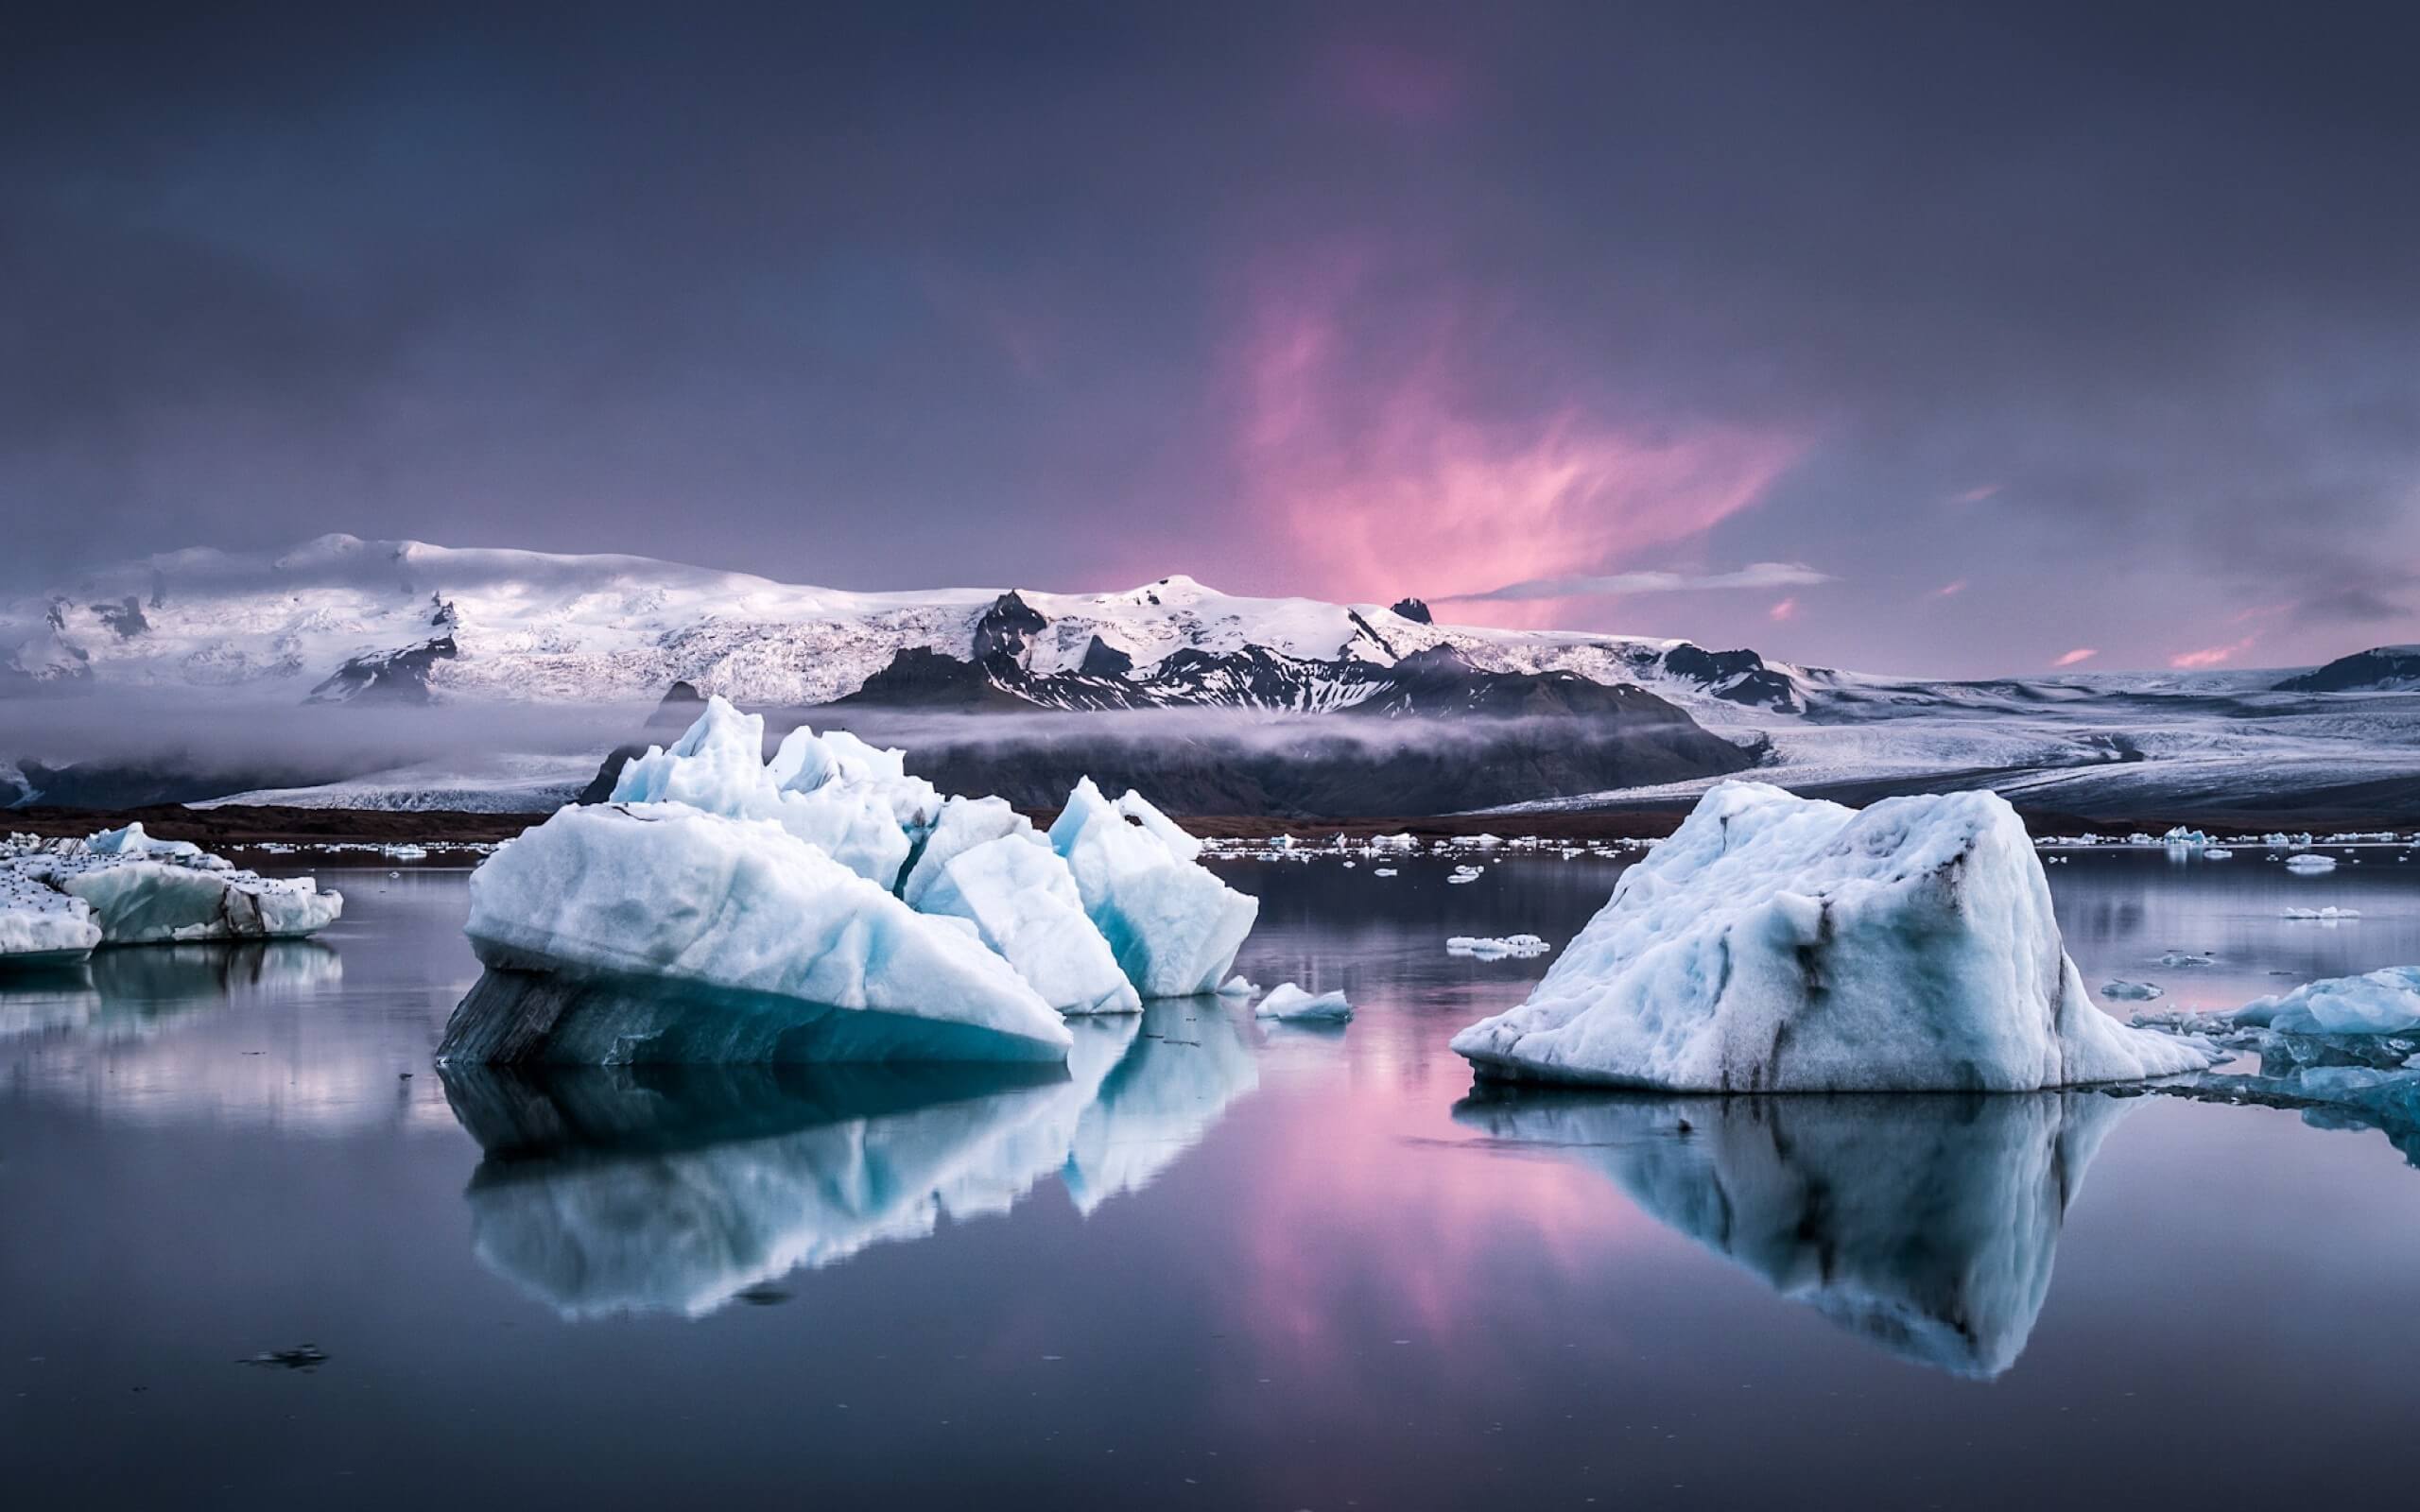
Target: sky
(1944,339)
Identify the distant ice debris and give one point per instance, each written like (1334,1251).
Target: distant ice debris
(1466,873)
(1496,947)
(58,899)
(764,893)
(2186,960)
(2329,915)
(1289,1004)
(1781,944)
(2381,1001)
(2132,991)
(2217,852)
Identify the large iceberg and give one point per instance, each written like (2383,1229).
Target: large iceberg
(1782,944)
(1175,928)
(827,906)
(1925,1225)
(58,899)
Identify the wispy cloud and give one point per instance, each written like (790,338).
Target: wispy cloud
(1950,590)
(1977,494)
(2211,655)
(1786,610)
(2081,653)
(1604,585)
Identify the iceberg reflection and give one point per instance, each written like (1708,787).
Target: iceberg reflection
(1925,1224)
(623,1189)
(129,991)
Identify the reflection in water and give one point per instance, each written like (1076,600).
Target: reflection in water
(624,1189)
(2336,1081)
(133,989)
(1926,1224)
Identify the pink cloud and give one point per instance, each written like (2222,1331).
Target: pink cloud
(1383,474)
(2081,653)
(1787,608)
(2212,656)
(1950,590)
(1976,495)
(2260,612)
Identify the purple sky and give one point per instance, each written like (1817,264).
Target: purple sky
(1908,339)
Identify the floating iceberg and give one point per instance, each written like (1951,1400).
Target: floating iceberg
(1496,947)
(2383,1002)
(1289,1004)
(60,898)
(2309,865)
(775,952)
(762,893)
(1781,944)
(2126,992)
(1173,926)
(2330,915)
(1925,1225)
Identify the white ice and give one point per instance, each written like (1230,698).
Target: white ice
(1289,1004)
(137,891)
(1173,925)
(1496,947)
(837,968)
(2382,1002)
(2310,864)
(1780,944)
(1019,893)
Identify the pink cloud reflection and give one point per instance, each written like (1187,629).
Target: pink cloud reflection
(1385,477)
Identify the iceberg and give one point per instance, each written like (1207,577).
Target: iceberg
(826,906)
(2307,864)
(2382,1002)
(1289,1004)
(1781,944)
(1496,947)
(1926,1226)
(58,899)
(784,953)
(1173,926)
(2132,991)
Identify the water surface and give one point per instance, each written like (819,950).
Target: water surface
(1214,1264)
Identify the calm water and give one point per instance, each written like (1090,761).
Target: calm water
(1219,1266)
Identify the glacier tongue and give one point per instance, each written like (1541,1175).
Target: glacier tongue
(1781,944)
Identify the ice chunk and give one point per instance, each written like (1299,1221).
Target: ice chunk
(2382,1002)
(1173,926)
(1021,897)
(1496,947)
(802,958)
(1237,986)
(962,824)
(40,925)
(2329,915)
(2307,864)
(1289,1004)
(1780,944)
(1925,1225)
(140,891)
(2217,852)
(2132,991)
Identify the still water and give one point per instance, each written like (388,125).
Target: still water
(1217,1265)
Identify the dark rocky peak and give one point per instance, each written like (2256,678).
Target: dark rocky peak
(1737,676)
(920,678)
(1413,609)
(159,588)
(1005,628)
(1103,660)
(678,708)
(441,615)
(2380,669)
(125,617)
(385,676)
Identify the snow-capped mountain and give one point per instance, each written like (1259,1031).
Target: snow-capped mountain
(339,619)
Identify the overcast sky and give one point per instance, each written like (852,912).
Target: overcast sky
(1906,338)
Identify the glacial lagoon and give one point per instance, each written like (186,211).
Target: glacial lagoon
(259,1246)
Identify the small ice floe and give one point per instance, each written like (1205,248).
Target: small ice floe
(2132,991)
(2186,960)
(2382,1002)
(1465,873)
(1775,943)
(300,1357)
(60,898)
(2307,864)
(1289,1004)
(1382,871)
(1235,987)
(2330,915)
(1496,947)
(2217,852)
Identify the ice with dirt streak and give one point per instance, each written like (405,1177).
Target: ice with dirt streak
(58,899)
(1783,944)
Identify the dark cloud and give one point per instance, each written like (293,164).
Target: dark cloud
(2105,310)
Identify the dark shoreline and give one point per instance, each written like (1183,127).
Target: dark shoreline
(247,826)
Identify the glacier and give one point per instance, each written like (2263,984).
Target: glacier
(60,898)
(827,906)
(1775,943)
